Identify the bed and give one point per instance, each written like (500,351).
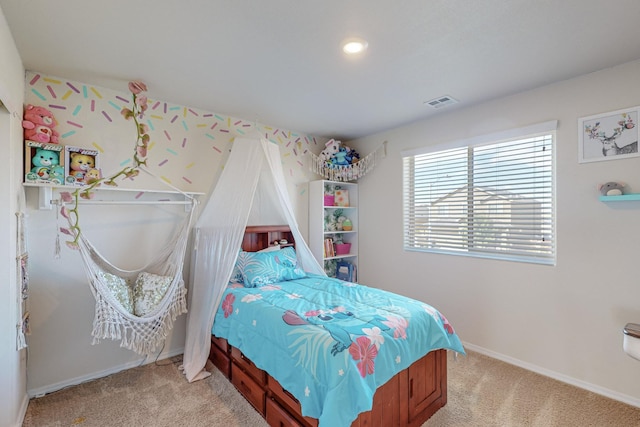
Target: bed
(307,350)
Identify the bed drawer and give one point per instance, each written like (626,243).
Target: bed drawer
(248,387)
(221,343)
(287,400)
(220,359)
(278,417)
(247,365)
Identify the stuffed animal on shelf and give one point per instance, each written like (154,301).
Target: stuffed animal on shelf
(43,161)
(92,176)
(79,165)
(56,174)
(38,124)
(611,188)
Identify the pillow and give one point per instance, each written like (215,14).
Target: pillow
(264,268)
(270,248)
(148,292)
(119,288)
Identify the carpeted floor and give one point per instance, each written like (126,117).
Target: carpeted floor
(482,392)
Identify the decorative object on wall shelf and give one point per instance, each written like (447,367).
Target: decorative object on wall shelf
(43,163)
(611,188)
(337,163)
(608,136)
(38,124)
(81,166)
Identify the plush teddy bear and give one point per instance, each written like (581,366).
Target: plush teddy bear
(79,165)
(340,158)
(331,147)
(92,176)
(39,125)
(611,188)
(43,160)
(56,174)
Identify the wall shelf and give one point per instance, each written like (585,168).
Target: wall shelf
(46,201)
(620,198)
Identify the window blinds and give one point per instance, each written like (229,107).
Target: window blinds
(490,197)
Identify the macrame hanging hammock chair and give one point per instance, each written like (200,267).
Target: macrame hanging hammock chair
(111,287)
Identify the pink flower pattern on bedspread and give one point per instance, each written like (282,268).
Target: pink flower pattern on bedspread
(365,351)
(227,304)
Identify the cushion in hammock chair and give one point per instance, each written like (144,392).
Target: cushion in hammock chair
(148,292)
(119,288)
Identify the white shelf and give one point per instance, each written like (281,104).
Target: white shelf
(317,212)
(46,200)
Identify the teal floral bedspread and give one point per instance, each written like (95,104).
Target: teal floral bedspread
(330,343)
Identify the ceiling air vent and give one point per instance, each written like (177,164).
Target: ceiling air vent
(441,101)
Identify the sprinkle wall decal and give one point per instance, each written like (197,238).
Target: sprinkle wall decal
(73,88)
(89,116)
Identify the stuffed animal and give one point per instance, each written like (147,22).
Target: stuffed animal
(331,147)
(611,188)
(39,125)
(56,174)
(43,160)
(340,158)
(79,165)
(92,176)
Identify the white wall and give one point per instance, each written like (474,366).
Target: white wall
(565,321)
(188,148)
(13,396)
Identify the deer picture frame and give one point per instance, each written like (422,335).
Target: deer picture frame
(609,136)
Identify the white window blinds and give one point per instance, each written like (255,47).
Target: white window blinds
(489,197)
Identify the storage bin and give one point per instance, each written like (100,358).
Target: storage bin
(343,248)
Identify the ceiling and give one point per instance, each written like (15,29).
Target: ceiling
(280,63)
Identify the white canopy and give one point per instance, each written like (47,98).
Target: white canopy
(252,186)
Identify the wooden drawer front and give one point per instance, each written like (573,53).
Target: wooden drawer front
(278,417)
(247,365)
(289,402)
(221,343)
(220,359)
(424,388)
(248,387)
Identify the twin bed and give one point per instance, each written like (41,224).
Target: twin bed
(307,350)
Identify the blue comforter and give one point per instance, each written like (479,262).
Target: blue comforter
(330,343)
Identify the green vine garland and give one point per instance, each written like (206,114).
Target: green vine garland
(136,113)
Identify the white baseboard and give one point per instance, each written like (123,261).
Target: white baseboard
(629,400)
(23,410)
(41,391)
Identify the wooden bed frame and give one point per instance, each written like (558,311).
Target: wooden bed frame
(408,399)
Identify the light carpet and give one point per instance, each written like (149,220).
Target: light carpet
(481,392)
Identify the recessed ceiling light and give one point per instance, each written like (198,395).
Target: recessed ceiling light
(354,46)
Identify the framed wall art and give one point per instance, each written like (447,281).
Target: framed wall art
(608,136)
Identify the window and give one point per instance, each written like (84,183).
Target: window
(490,197)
